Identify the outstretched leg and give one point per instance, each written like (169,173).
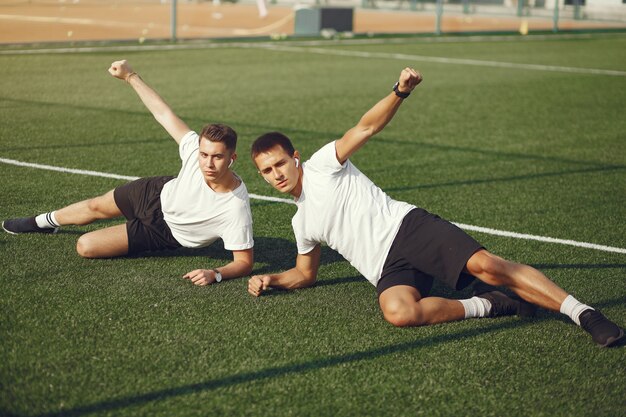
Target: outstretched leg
(536,288)
(524,280)
(81,213)
(88,211)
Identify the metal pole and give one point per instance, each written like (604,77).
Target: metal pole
(438,20)
(555,17)
(577,4)
(466,6)
(173,22)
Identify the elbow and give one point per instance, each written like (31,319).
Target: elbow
(247,269)
(301,281)
(243,262)
(244,268)
(161,118)
(164,116)
(307,281)
(371,130)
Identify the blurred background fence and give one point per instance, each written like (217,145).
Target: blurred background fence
(25,21)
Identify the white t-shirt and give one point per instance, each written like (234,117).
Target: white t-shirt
(344,209)
(196,214)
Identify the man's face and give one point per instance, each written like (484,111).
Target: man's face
(280,170)
(213,160)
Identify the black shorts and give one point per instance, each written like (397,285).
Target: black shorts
(140,202)
(426,248)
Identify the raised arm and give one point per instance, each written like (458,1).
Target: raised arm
(157,106)
(239,267)
(304,274)
(377,117)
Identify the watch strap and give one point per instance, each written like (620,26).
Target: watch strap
(218,275)
(398,92)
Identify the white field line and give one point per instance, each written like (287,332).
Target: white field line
(67,170)
(442,60)
(480,229)
(327,51)
(525,236)
(211,45)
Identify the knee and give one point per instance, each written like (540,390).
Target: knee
(85,247)
(94,205)
(484,263)
(402,314)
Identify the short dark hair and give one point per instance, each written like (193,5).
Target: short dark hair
(267,141)
(220,133)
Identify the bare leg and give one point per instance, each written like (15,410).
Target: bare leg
(104,243)
(403,305)
(524,280)
(88,211)
(536,288)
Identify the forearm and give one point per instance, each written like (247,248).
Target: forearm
(157,106)
(371,123)
(378,116)
(302,275)
(235,269)
(153,102)
(290,280)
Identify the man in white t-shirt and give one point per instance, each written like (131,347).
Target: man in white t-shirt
(398,247)
(206,201)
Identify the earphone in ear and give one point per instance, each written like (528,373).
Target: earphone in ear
(297,162)
(231,162)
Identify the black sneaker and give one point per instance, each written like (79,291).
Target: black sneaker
(25,225)
(602,330)
(482,287)
(503,305)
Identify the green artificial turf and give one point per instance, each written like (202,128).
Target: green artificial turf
(516,149)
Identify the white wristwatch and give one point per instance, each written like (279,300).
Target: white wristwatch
(218,275)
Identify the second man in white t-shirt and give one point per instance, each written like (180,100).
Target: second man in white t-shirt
(396,246)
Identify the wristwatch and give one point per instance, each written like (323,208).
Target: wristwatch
(398,92)
(218,275)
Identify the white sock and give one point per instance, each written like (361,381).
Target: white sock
(476,307)
(572,308)
(47,220)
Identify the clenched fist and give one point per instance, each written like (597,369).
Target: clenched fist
(258,283)
(121,69)
(409,79)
